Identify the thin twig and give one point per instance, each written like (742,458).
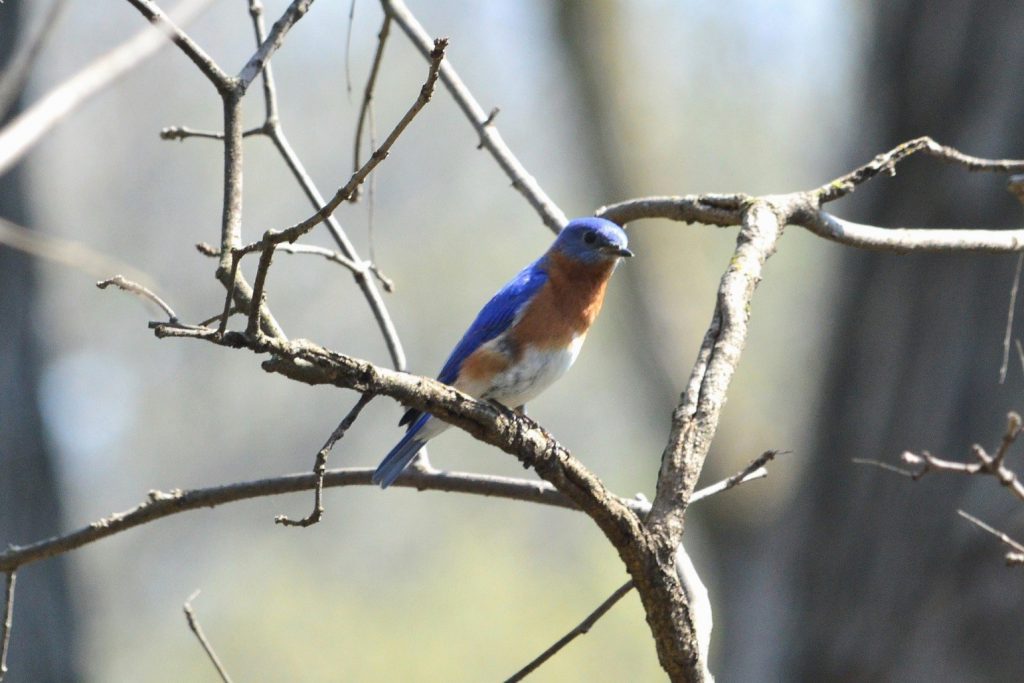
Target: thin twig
(320,466)
(1013,429)
(5,624)
(275,131)
(986,464)
(581,628)
(193,624)
(1009,319)
(381,153)
(272,238)
(883,465)
(184,132)
(32,124)
(296,10)
(371,82)
(1014,558)
(223,315)
(229,297)
(126,285)
(886,162)
(259,293)
(348,48)
(334,256)
(522,181)
(755,465)
(167,27)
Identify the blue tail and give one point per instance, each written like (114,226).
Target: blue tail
(400,456)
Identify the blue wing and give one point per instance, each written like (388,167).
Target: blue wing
(493,319)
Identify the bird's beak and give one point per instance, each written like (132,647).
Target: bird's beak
(613,250)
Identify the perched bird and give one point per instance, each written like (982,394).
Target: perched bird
(527,335)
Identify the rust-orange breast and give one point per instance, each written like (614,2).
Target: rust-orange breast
(565,307)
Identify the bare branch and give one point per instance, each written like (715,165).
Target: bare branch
(161,504)
(886,164)
(259,292)
(193,624)
(986,464)
(900,240)
(184,132)
(320,466)
(490,137)
(747,473)
(293,233)
(1013,558)
(1009,320)
(709,209)
(885,466)
(29,127)
(371,83)
(696,418)
(580,629)
(331,255)
(166,27)
(8,615)
(278,31)
(135,288)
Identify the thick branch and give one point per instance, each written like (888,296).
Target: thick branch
(696,418)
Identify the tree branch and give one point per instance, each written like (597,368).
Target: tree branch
(296,10)
(193,625)
(170,29)
(274,129)
(135,288)
(5,624)
(320,466)
(1015,557)
(273,237)
(491,139)
(582,628)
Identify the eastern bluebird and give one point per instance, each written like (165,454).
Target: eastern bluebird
(527,335)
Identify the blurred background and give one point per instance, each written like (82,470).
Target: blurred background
(828,570)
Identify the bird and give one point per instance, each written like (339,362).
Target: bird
(527,335)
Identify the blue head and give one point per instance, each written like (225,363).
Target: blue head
(592,240)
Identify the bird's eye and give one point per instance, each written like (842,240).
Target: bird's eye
(590,237)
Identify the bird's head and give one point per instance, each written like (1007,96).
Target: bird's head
(592,240)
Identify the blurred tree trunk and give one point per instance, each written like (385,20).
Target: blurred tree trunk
(42,642)
(870,576)
(884,581)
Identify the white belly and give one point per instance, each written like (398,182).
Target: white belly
(534,373)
